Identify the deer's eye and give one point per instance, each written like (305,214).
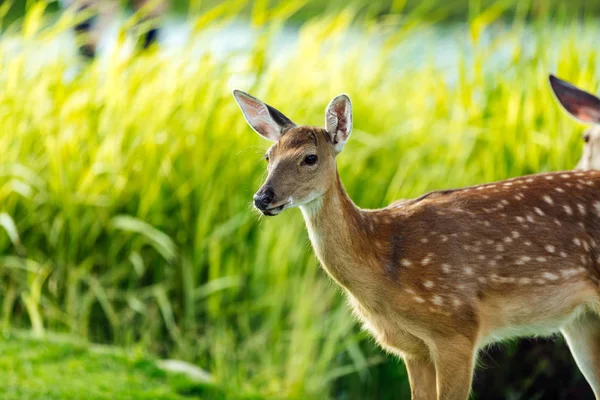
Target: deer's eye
(267,157)
(586,137)
(311,159)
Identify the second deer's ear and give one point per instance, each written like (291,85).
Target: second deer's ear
(264,119)
(338,121)
(580,104)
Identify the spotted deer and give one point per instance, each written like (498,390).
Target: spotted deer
(438,277)
(585,107)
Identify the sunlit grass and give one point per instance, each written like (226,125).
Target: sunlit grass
(125,192)
(63,368)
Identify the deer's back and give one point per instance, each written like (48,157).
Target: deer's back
(545,223)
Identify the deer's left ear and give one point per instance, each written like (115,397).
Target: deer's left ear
(338,121)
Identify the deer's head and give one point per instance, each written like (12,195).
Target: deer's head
(585,107)
(301,164)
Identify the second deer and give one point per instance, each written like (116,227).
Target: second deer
(585,107)
(436,278)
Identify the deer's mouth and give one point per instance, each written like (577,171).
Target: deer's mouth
(271,212)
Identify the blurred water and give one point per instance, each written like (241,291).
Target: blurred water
(234,38)
(444,46)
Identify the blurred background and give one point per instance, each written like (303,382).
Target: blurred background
(127,172)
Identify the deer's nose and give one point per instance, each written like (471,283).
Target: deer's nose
(263,198)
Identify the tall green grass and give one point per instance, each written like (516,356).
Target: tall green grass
(125,193)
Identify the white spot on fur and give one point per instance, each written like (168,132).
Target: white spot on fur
(550,276)
(557,222)
(468,270)
(437,300)
(419,299)
(549,248)
(406,262)
(428,284)
(569,272)
(446,268)
(538,211)
(597,207)
(522,260)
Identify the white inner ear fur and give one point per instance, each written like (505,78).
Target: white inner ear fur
(338,121)
(257,115)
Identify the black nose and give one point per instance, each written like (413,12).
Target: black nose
(263,198)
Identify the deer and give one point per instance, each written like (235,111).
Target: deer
(585,107)
(437,278)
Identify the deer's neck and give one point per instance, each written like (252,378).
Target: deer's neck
(338,231)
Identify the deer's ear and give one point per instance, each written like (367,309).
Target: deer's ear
(338,121)
(580,104)
(264,119)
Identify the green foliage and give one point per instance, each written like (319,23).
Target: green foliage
(125,193)
(63,368)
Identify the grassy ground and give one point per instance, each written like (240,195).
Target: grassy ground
(60,367)
(125,192)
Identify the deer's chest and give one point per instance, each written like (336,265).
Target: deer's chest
(388,329)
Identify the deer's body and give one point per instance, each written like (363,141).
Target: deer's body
(436,278)
(466,261)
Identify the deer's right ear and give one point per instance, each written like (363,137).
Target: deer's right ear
(264,119)
(580,104)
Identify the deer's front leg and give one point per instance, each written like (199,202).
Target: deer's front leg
(454,362)
(421,375)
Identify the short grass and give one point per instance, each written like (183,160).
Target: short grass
(64,368)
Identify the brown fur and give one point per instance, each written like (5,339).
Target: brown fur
(435,278)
